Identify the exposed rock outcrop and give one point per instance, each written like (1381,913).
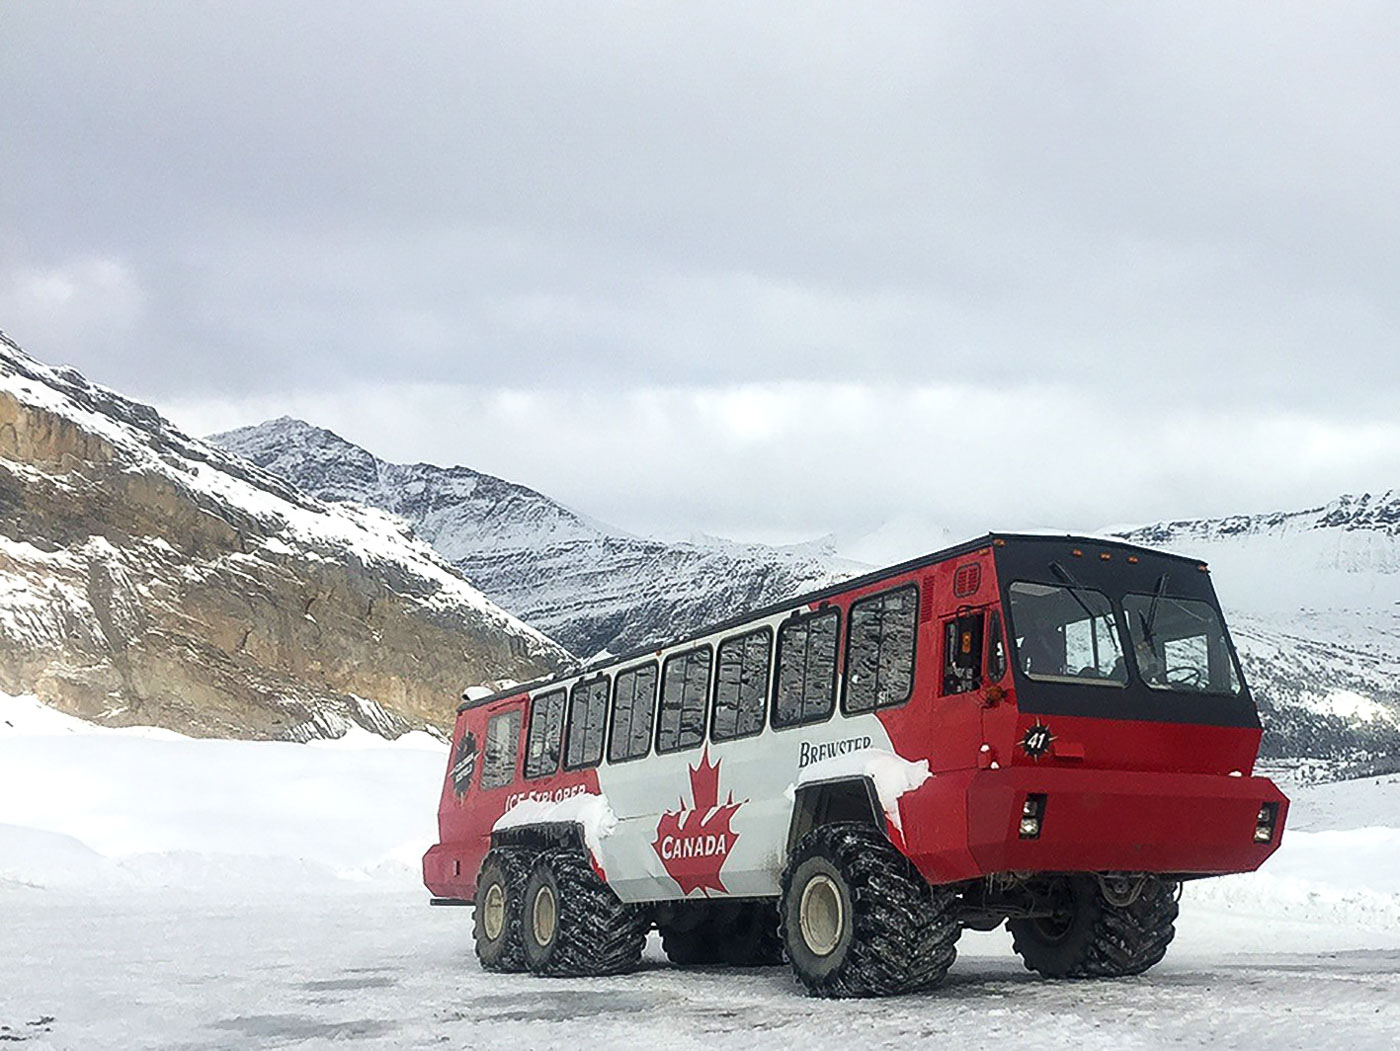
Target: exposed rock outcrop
(146,577)
(588,585)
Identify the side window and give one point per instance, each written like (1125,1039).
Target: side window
(502,742)
(962,653)
(996,649)
(546,730)
(634,709)
(685,686)
(880,650)
(805,687)
(741,691)
(588,724)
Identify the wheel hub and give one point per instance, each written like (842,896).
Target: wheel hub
(493,911)
(544,916)
(821,914)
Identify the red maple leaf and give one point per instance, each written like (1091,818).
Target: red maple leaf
(694,841)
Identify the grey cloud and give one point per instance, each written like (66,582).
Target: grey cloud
(1171,204)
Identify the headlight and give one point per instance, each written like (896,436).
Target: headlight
(1032,814)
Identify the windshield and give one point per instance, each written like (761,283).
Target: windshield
(1066,634)
(1180,645)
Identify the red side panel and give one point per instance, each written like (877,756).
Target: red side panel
(467,811)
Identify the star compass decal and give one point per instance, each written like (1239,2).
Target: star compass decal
(1037,741)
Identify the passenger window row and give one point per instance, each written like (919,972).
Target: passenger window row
(879,672)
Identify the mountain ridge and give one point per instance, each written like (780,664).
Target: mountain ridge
(147,576)
(1321,645)
(589,585)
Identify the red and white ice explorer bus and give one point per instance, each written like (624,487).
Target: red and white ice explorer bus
(1050,732)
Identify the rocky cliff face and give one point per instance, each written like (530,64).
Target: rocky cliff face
(146,577)
(587,585)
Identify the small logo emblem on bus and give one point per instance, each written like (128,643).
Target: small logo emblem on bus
(694,841)
(464,764)
(1037,741)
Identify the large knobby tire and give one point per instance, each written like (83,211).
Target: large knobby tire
(691,946)
(737,933)
(857,919)
(750,936)
(573,925)
(500,887)
(1090,937)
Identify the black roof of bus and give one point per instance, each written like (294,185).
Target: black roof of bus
(831,590)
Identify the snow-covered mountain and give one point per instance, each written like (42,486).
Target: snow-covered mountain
(585,584)
(149,577)
(1313,598)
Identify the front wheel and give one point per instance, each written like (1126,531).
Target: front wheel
(857,919)
(1090,935)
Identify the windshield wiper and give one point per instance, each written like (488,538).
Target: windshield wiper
(1074,589)
(1068,577)
(1151,618)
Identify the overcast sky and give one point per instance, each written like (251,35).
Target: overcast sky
(759,270)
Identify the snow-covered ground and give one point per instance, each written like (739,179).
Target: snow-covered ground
(158,891)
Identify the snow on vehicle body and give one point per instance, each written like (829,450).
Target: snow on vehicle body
(1048,731)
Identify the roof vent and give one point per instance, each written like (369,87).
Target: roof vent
(967,580)
(926,600)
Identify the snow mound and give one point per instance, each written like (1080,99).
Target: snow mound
(93,806)
(891,775)
(589,811)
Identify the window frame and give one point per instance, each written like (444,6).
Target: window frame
(535,702)
(880,596)
(684,655)
(947,645)
(802,618)
(1231,657)
(742,639)
(612,711)
(1114,613)
(584,684)
(516,711)
(989,640)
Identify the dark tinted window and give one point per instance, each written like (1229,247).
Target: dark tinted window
(546,731)
(588,724)
(741,689)
(502,741)
(685,687)
(1179,645)
(805,691)
(1066,634)
(962,653)
(996,649)
(880,650)
(634,708)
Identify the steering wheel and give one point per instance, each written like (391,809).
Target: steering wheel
(1186,675)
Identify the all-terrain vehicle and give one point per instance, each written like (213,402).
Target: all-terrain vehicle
(1047,732)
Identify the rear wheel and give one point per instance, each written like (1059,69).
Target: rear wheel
(857,919)
(500,886)
(689,939)
(572,924)
(750,934)
(736,933)
(1093,934)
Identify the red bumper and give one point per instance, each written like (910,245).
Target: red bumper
(445,874)
(1097,820)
